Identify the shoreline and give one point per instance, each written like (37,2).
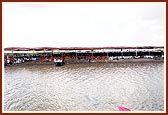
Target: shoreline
(37,62)
(111,61)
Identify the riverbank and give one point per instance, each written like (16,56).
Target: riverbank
(114,61)
(74,61)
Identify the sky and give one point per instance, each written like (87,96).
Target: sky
(83,24)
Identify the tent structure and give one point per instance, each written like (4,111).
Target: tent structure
(75,48)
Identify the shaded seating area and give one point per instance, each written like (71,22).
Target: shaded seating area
(16,55)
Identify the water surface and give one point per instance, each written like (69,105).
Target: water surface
(84,87)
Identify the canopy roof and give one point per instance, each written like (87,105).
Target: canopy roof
(75,48)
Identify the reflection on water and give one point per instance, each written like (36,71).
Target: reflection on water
(84,87)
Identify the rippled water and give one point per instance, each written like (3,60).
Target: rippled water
(85,87)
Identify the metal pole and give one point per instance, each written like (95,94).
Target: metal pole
(12,52)
(44,52)
(107,56)
(76,54)
(52,52)
(136,51)
(122,53)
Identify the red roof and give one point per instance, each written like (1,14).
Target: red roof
(74,48)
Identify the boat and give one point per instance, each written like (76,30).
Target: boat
(58,62)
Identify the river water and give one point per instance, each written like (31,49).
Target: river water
(138,86)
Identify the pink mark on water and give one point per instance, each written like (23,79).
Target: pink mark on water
(120,108)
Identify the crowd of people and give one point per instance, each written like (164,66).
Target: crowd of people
(11,60)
